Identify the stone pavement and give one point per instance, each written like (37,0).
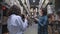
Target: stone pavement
(32,29)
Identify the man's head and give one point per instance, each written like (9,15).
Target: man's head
(43,12)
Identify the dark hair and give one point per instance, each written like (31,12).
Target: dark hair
(50,15)
(14,10)
(44,12)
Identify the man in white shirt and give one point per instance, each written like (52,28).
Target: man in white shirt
(15,24)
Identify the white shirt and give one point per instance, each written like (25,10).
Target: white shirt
(16,25)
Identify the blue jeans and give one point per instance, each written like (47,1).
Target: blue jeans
(42,30)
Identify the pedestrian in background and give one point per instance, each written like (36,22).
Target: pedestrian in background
(52,21)
(15,23)
(43,22)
